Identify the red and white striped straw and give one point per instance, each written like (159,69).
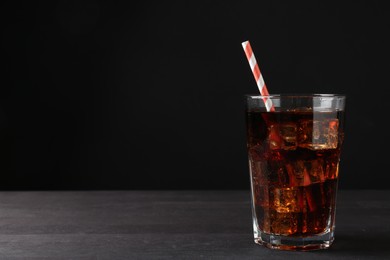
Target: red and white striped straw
(258,77)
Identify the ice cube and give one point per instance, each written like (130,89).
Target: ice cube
(331,167)
(283,136)
(315,170)
(283,223)
(278,175)
(261,193)
(259,173)
(286,200)
(297,173)
(333,132)
(304,173)
(318,134)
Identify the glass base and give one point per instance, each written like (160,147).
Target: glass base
(321,241)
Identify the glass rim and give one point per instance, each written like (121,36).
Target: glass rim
(287,95)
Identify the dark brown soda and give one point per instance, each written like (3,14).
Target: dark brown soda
(294,158)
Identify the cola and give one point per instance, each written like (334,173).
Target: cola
(294,163)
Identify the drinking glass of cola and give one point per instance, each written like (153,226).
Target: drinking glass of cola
(294,154)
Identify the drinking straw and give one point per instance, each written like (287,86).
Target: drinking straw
(258,76)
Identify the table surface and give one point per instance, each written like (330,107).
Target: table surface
(172,225)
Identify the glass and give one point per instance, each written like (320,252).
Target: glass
(294,155)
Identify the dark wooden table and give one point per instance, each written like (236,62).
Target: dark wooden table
(172,225)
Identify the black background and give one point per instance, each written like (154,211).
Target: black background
(149,95)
